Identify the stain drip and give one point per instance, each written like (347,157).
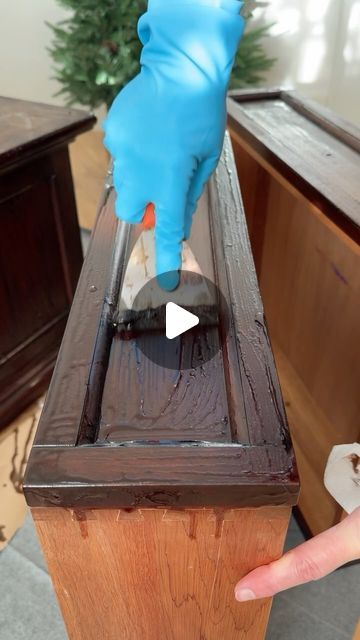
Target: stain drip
(18,465)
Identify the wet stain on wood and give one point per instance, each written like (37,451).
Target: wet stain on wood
(18,466)
(214,436)
(192,525)
(80,516)
(219,521)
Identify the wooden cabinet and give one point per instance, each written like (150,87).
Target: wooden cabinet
(147,524)
(299,174)
(40,250)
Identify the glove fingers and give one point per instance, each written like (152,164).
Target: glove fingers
(202,174)
(130,202)
(169,233)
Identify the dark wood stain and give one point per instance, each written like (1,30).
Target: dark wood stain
(327,172)
(183,404)
(109,437)
(18,466)
(80,517)
(40,248)
(355,460)
(264,410)
(27,125)
(154,475)
(64,408)
(192,525)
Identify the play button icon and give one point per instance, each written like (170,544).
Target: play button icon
(178,320)
(179,330)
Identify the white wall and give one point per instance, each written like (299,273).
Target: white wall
(316,42)
(25,65)
(317,46)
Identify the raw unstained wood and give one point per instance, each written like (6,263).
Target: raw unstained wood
(159,573)
(313,435)
(310,283)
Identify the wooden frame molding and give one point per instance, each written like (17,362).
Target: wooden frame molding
(69,466)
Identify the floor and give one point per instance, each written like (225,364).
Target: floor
(325,610)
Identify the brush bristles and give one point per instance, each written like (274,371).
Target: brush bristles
(133,321)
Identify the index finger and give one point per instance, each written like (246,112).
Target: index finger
(169,234)
(310,561)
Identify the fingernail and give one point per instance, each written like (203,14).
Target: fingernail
(244,594)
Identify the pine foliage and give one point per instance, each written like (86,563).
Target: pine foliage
(96,51)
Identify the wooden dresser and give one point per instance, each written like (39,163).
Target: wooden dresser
(153,491)
(299,172)
(40,250)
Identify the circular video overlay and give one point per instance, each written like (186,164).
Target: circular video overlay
(180,329)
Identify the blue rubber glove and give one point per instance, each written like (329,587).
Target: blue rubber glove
(165,129)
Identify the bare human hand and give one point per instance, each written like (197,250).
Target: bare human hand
(310,561)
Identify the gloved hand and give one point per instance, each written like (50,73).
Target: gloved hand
(165,129)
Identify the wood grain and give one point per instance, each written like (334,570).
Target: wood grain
(264,410)
(187,403)
(25,124)
(159,573)
(313,436)
(234,422)
(324,118)
(63,408)
(311,286)
(308,262)
(285,138)
(151,474)
(142,478)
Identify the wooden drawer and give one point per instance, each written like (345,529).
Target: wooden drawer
(161,517)
(299,173)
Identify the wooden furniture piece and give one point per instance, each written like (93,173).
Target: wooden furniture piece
(299,173)
(40,250)
(154,491)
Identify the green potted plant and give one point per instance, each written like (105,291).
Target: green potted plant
(96,51)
